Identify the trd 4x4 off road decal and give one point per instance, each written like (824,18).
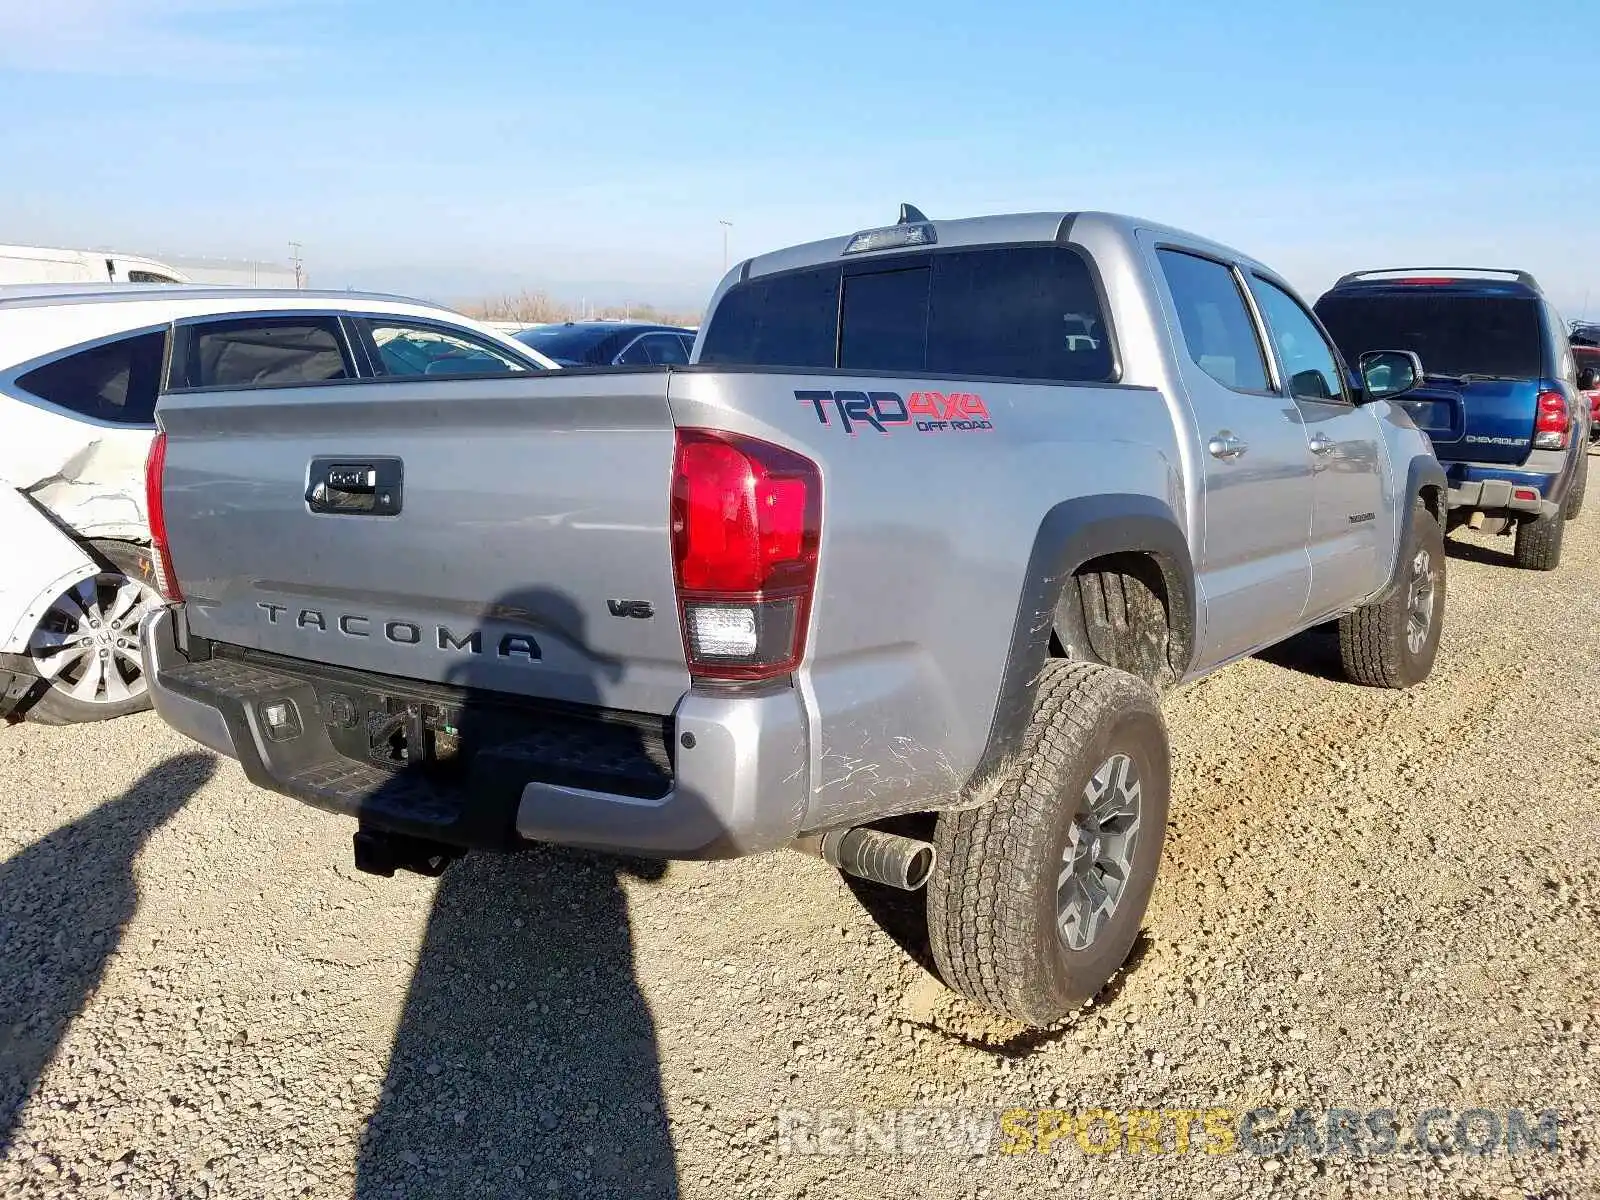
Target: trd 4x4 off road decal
(927,412)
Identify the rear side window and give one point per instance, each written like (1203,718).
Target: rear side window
(260,352)
(115,381)
(1020,312)
(1217,329)
(1453,334)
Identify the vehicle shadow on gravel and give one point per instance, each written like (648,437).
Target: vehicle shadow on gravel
(64,903)
(525,1062)
(525,1059)
(1489,554)
(1314,652)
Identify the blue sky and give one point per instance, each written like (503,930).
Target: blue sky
(590,149)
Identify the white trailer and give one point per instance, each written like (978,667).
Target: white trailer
(48,264)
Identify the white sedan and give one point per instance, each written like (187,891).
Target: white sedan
(81,368)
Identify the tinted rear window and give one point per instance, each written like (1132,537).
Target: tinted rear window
(1021,312)
(1453,334)
(116,381)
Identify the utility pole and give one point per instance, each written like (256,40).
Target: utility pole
(726,225)
(299,265)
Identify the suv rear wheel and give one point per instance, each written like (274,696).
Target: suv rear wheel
(1538,545)
(1574,504)
(1036,897)
(1393,641)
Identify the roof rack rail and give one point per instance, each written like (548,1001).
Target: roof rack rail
(1522,277)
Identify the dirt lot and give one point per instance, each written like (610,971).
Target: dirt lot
(1369,901)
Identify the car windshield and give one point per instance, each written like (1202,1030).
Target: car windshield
(1452,333)
(568,344)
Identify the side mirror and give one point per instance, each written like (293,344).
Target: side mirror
(1589,379)
(1389,373)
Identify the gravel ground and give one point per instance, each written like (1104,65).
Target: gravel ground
(1369,900)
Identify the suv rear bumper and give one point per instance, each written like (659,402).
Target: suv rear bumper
(1491,490)
(724,776)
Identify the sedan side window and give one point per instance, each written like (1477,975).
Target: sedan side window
(1217,329)
(1310,363)
(407,350)
(115,381)
(665,349)
(252,352)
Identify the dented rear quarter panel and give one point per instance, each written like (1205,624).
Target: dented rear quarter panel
(927,538)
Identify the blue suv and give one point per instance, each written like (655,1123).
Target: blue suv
(1500,398)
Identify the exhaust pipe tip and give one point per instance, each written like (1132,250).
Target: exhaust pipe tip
(873,855)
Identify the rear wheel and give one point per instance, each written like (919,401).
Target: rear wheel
(1538,545)
(1574,504)
(1392,642)
(1036,897)
(86,645)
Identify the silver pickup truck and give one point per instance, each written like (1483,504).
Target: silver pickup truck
(934,517)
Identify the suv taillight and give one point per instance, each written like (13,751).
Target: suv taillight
(746,524)
(1550,426)
(155,466)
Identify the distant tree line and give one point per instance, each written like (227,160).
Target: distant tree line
(538,308)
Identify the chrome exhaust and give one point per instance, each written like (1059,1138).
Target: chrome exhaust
(871,854)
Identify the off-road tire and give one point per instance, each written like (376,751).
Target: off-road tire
(1574,504)
(992,898)
(54,708)
(1538,544)
(1375,642)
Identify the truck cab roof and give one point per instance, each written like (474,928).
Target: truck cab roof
(1021,228)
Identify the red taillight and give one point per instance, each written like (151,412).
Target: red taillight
(1550,426)
(746,524)
(1427,280)
(155,466)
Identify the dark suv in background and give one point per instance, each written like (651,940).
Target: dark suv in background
(611,344)
(1501,398)
(1586,356)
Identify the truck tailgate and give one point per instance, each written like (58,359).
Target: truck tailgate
(530,541)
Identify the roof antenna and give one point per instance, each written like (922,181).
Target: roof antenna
(910,214)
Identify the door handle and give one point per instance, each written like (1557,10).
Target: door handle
(1321,443)
(1225,446)
(370,487)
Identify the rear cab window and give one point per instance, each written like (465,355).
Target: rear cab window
(257,352)
(1009,312)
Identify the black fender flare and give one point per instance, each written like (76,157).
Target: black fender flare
(1070,534)
(1423,471)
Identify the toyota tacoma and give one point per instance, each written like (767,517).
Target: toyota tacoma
(936,513)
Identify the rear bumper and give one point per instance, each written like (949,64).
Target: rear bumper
(725,776)
(1491,490)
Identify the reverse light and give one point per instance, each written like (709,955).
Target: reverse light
(155,465)
(1550,426)
(746,525)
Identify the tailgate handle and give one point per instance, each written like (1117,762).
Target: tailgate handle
(368,487)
